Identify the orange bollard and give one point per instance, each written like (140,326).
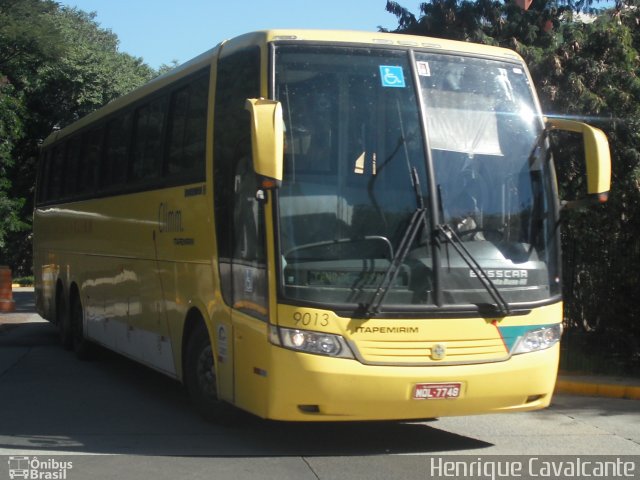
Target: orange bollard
(7,303)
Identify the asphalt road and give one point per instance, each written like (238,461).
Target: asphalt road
(121,420)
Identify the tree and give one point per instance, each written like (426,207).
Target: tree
(27,36)
(57,65)
(90,74)
(11,109)
(27,40)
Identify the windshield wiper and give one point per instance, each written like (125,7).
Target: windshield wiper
(538,144)
(417,220)
(501,305)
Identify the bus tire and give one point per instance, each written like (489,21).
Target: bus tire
(200,378)
(81,345)
(63,319)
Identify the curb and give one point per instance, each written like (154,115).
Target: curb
(597,389)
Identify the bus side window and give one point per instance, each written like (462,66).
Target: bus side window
(176,136)
(90,160)
(43,176)
(187,131)
(241,247)
(114,167)
(70,187)
(56,172)
(146,162)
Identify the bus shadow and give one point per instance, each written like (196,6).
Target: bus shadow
(55,403)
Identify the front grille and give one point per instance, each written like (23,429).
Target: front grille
(420,352)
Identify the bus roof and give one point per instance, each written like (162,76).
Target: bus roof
(286,35)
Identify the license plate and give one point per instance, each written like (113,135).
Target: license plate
(434,391)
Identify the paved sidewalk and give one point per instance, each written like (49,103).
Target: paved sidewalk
(8,320)
(25,309)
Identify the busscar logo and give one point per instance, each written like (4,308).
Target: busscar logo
(36,469)
(505,276)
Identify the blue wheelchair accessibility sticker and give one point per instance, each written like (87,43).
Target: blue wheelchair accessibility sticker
(392,76)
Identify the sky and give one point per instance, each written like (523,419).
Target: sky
(163,31)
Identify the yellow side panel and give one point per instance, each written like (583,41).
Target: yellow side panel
(253,371)
(140,261)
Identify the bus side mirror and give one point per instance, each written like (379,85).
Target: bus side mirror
(267,140)
(597,160)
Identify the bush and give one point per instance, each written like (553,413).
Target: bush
(24,281)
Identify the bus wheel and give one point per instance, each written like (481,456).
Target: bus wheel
(81,345)
(64,321)
(200,378)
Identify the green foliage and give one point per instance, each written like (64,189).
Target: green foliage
(11,110)
(598,78)
(27,36)
(56,66)
(92,72)
(484,21)
(165,68)
(24,281)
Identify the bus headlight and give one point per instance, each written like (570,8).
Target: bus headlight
(310,342)
(539,339)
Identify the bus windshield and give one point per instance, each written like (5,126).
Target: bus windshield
(374,136)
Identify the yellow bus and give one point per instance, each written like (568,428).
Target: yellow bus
(318,225)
